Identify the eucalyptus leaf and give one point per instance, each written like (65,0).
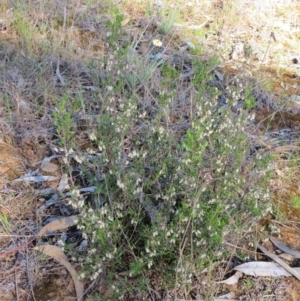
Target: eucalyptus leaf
(281,246)
(36,179)
(58,224)
(261,268)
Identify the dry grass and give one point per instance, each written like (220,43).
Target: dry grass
(253,38)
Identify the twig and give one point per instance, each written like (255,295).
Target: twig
(65,17)
(16,284)
(269,43)
(18,236)
(21,248)
(87,290)
(28,273)
(62,81)
(151,290)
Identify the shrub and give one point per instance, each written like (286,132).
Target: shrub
(168,166)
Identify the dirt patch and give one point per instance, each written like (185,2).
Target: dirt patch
(11,163)
(279,119)
(54,286)
(290,236)
(261,288)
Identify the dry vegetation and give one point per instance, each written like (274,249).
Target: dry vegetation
(169,129)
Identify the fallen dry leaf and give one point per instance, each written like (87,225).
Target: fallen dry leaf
(286,256)
(233,279)
(36,179)
(47,166)
(58,224)
(262,268)
(281,246)
(59,255)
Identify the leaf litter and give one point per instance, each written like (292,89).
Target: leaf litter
(280,261)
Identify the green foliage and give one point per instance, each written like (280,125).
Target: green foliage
(248,283)
(116,34)
(5,223)
(168,18)
(116,27)
(203,73)
(25,31)
(139,70)
(296,202)
(250,101)
(62,119)
(170,75)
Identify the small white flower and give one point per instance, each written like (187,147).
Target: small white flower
(75,193)
(178,25)
(150,263)
(157,43)
(92,136)
(120,184)
(191,45)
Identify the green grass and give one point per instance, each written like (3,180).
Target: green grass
(5,223)
(296,202)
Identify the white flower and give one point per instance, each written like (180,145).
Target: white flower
(150,263)
(190,44)
(92,136)
(120,184)
(178,25)
(157,43)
